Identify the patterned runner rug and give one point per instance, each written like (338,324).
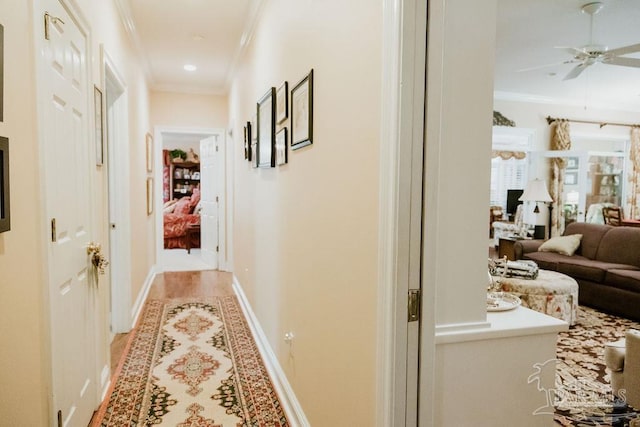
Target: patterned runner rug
(583,395)
(192,363)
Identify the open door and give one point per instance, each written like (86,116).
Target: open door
(209,199)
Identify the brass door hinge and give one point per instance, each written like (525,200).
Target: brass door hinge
(47,20)
(413,305)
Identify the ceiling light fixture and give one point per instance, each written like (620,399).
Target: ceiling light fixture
(190,67)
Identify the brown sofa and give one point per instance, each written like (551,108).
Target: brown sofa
(606,266)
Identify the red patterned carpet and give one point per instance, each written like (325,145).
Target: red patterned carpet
(192,363)
(583,395)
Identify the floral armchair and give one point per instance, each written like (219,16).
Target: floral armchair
(503,228)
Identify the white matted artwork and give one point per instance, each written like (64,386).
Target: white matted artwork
(282,102)
(281,147)
(302,113)
(266,129)
(253,147)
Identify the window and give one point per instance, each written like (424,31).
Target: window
(506,175)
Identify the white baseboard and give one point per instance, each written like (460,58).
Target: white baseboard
(105,381)
(290,404)
(142,296)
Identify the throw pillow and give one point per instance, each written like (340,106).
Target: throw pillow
(565,245)
(195,198)
(183,206)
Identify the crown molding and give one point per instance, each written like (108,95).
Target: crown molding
(126,16)
(190,89)
(540,99)
(255,12)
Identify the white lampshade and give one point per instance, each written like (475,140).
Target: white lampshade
(536,191)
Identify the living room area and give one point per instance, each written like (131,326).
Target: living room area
(564,229)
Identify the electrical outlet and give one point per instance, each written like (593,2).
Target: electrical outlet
(288,337)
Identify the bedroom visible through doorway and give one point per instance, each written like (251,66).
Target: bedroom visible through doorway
(181,186)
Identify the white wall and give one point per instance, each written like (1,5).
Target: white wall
(306,233)
(24,398)
(169,109)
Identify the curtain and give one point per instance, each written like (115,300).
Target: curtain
(560,140)
(506,155)
(633,208)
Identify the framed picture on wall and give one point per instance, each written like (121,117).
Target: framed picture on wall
(248,142)
(281,147)
(97,99)
(571,178)
(282,102)
(253,145)
(149,196)
(302,113)
(5,211)
(149,151)
(266,116)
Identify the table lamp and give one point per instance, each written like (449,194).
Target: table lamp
(536,191)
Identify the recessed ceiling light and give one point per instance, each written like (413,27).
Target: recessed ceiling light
(190,67)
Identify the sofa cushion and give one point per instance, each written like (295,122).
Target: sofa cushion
(594,271)
(620,245)
(591,236)
(624,279)
(550,260)
(565,245)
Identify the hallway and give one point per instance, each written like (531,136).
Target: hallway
(178,284)
(217,350)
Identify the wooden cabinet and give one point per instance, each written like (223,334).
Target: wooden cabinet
(185,177)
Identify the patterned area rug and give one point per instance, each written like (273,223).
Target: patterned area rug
(583,396)
(192,363)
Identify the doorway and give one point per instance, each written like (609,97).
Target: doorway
(117,164)
(178,179)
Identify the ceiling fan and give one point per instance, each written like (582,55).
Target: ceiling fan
(591,54)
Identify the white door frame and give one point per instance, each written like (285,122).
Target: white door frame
(223,262)
(400,207)
(117,155)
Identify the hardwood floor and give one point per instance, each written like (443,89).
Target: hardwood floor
(177,285)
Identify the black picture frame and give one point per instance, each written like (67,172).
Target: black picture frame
(248,152)
(282,103)
(282,156)
(266,124)
(302,113)
(5,208)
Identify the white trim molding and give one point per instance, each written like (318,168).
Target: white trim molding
(290,403)
(400,207)
(142,296)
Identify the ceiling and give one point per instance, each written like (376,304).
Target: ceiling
(211,34)
(528,33)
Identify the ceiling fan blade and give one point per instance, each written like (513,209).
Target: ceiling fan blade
(626,62)
(624,50)
(569,61)
(576,52)
(576,71)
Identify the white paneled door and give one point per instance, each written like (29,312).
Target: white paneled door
(209,199)
(65,127)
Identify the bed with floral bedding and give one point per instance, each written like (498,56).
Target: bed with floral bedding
(178,215)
